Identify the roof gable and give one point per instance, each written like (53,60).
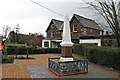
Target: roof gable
(58,24)
(88,23)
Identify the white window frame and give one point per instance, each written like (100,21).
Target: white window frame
(43,41)
(74,28)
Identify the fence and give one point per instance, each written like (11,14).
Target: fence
(67,68)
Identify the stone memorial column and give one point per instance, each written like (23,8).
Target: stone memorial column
(66,44)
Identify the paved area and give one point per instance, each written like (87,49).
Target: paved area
(19,70)
(36,71)
(39,71)
(97,72)
(37,68)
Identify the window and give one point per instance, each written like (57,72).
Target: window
(46,44)
(90,30)
(75,28)
(85,30)
(52,34)
(61,34)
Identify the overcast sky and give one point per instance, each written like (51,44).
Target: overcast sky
(33,18)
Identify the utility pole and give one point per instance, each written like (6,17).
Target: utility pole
(17,32)
(16,36)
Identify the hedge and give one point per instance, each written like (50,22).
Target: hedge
(52,50)
(81,48)
(18,50)
(107,56)
(31,50)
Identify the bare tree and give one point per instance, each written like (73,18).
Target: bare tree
(6,30)
(109,11)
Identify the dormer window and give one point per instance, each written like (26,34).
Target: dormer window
(75,28)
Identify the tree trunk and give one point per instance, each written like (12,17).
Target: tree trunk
(27,54)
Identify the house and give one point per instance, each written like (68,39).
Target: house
(54,34)
(79,26)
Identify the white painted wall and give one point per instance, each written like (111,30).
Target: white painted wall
(43,41)
(98,41)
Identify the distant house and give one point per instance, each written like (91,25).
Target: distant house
(79,26)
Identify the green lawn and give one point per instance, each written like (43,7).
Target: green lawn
(12,44)
(78,56)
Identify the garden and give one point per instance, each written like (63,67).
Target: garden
(105,56)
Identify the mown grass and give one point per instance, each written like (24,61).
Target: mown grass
(19,45)
(78,56)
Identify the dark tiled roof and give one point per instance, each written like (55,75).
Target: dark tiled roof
(59,24)
(87,22)
(84,21)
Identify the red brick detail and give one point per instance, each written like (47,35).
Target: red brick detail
(66,52)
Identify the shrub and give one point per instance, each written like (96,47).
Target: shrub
(78,49)
(36,51)
(5,53)
(31,50)
(107,56)
(81,48)
(52,50)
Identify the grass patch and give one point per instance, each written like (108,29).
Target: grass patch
(18,45)
(78,56)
